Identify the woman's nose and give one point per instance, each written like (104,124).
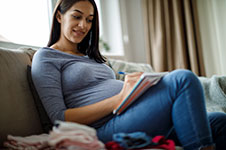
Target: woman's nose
(82,24)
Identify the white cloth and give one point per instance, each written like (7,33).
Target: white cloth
(74,136)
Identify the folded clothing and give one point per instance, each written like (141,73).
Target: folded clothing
(74,136)
(161,143)
(132,140)
(34,142)
(139,141)
(64,136)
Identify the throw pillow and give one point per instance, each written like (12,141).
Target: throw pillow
(45,120)
(215,92)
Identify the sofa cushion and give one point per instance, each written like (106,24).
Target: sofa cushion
(125,66)
(45,120)
(18,115)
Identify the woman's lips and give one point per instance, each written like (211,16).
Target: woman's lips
(78,33)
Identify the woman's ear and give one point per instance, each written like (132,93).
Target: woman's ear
(58,16)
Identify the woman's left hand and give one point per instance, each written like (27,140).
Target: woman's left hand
(129,83)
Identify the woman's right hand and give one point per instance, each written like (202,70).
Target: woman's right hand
(129,83)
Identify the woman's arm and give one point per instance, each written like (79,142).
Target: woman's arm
(91,113)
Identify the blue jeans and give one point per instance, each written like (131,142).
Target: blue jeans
(174,106)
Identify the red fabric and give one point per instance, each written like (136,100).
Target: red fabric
(113,146)
(163,143)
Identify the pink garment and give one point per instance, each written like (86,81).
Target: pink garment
(67,136)
(74,136)
(34,142)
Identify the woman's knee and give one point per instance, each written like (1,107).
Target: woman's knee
(183,76)
(183,73)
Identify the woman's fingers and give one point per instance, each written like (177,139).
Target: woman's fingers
(135,74)
(133,77)
(129,83)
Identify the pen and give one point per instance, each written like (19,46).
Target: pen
(121,72)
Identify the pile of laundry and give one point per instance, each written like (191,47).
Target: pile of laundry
(64,136)
(139,141)
(74,136)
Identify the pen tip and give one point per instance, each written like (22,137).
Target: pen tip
(120,72)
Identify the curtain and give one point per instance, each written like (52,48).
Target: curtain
(172,33)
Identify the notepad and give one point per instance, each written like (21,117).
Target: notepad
(146,81)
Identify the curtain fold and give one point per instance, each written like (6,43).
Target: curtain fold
(173,35)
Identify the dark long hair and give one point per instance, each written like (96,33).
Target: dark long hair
(90,44)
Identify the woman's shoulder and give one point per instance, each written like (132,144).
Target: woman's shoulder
(46,58)
(48,53)
(44,50)
(41,52)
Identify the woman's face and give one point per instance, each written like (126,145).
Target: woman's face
(76,22)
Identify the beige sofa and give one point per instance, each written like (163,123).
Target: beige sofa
(19,114)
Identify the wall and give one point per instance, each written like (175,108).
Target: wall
(110,15)
(213,34)
(123,29)
(133,30)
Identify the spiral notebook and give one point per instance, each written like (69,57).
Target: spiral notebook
(146,81)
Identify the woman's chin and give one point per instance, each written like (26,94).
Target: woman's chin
(77,40)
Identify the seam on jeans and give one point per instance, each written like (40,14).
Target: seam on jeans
(194,127)
(113,123)
(192,120)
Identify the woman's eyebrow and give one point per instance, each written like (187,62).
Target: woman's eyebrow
(81,12)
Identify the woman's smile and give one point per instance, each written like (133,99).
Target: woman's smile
(78,33)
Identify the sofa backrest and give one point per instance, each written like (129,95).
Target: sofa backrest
(18,115)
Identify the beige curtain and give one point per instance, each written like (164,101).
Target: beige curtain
(172,33)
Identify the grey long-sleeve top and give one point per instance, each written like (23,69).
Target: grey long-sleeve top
(67,81)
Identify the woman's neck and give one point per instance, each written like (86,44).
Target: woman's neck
(67,48)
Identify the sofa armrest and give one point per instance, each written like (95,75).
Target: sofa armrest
(215,92)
